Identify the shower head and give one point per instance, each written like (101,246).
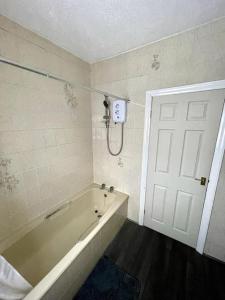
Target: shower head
(106,117)
(106,102)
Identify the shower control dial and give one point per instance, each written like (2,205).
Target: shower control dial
(119,111)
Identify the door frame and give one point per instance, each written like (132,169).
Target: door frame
(217,157)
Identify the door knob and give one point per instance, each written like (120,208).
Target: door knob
(202,180)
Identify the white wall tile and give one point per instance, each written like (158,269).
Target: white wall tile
(47,141)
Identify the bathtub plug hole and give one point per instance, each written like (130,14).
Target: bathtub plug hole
(96,211)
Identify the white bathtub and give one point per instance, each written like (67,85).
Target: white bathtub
(57,256)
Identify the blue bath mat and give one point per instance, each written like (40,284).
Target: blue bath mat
(108,282)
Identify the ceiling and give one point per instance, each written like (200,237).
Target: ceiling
(98,29)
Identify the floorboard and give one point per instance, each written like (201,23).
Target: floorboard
(166,269)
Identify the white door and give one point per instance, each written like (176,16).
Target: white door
(183,134)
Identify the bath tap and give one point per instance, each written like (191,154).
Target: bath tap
(111,189)
(102,186)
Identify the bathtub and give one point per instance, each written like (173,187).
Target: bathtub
(57,256)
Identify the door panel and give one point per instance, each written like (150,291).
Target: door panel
(159,198)
(190,153)
(164,150)
(182,140)
(182,211)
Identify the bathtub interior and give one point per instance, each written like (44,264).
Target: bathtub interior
(41,249)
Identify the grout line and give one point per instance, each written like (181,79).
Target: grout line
(44,129)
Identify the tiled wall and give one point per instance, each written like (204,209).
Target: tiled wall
(192,57)
(45,130)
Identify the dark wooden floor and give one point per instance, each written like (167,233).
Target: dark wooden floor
(166,269)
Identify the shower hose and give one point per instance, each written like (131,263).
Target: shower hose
(121,144)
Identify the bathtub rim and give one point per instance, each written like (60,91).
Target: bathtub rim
(47,281)
(22,231)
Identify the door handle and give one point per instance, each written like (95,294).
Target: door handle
(202,180)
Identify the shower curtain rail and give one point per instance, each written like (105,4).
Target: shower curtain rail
(51,76)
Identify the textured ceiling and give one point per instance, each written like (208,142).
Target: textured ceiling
(97,29)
